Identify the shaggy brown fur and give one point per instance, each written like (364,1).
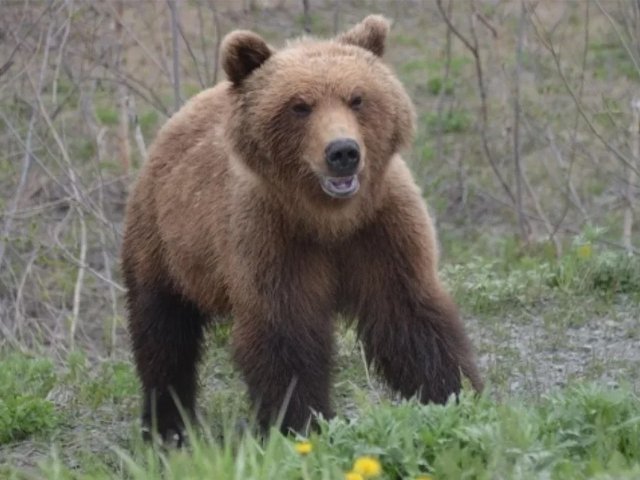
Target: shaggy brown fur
(230,215)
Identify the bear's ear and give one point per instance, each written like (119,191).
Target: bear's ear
(370,34)
(242,52)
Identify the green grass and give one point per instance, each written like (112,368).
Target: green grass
(583,432)
(80,414)
(484,284)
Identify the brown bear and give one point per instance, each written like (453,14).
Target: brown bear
(279,197)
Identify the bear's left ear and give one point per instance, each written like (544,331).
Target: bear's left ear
(370,34)
(242,52)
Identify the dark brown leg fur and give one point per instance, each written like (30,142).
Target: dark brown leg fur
(283,333)
(408,324)
(287,370)
(166,332)
(424,350)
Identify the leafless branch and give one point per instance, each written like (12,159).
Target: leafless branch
(632,177)
(124,148)
(175,54)
(26,161)
(306,14)
(9,62)
(545,40)
(516,126)
(472,46)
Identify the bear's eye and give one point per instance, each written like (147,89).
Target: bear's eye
(301,109)
(356,102)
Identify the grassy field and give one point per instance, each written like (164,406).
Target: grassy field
(548,285)
(560,403)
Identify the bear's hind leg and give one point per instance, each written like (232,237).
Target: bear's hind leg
(166,331)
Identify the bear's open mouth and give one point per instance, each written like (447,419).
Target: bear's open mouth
(340,187)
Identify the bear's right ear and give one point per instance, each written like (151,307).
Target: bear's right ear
(370,34)
(242,52)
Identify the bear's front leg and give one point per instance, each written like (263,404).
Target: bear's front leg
(409,326)
(286,367)
(282,335)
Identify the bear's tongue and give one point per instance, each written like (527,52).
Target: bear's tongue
(341,187)
(341,183)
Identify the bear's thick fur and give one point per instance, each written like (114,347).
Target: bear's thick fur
(279,197)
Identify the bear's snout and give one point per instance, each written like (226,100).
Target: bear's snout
(342,157)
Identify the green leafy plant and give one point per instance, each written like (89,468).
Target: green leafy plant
(24,408)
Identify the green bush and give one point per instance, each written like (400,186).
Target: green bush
(435,85)
(449,122)
(24,385)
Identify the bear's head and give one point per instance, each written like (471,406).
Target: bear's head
(319,120)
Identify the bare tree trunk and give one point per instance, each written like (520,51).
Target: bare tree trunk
(336,16)
(307,16)
(124,148)
(632,177)
(216,52)
(203,46)
(137,131)
(175,34)
(442,92)
(516,128)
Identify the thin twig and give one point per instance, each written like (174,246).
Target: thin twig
(545,40)
(9,62)
(203,46)
(137,131)
(614,25)
(564,228)
(516,126)
(124,148)
(629,194)
(77,289)
(176,54)
(473,48)
(218,30)
(61,50)
(196,63)
(26,162)
(83,227)
(306,15)
(443,89)
(149,54)
(545,220)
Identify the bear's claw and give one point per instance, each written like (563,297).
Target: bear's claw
(170,438)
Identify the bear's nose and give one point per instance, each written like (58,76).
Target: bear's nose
(342,156)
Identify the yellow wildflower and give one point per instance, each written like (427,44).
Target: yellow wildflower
(353,476)
(424,477)
(367,467)
(585,251)
(303,448)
